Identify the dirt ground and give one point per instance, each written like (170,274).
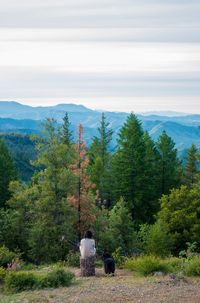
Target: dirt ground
(123,287)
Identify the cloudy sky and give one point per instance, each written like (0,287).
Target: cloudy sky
(127,55)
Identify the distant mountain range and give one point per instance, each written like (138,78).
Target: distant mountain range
(183,128)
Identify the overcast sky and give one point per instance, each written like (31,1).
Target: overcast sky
(127,55)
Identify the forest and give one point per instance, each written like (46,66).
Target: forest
(139,199)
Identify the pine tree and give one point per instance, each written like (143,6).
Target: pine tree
(191,167)
(121,226)
(169,164)
(128,167)
(53,217)
(100,161)
(83,200)
(8,173)
(151,184)
(66,132)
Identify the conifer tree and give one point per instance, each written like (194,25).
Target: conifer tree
(151,180)
(121,226)
(128,167)
(100,161)
(66,132)
(83,200)
(8,173)
(53,216)
(191,167)
(169,164)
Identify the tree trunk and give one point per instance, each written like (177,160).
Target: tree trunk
(87,266)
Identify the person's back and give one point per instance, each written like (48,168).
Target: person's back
(87,250)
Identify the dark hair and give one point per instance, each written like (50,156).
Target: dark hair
(88,234)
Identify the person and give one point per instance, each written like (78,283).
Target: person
(88,251)
(87,245)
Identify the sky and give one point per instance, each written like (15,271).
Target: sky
(119,55)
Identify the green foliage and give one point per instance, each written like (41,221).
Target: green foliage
(158,242)
(180,212)
(100,162)
(53,219)
(7,256)
(146,265)
(22,149)
(57,278)
(3,273)
(121,227)
(8,173)
(21,281)
(119,258)
(190,251)
(66,135)
(191,167)
(169,165)
(174,265)
(192,266)
(73,259)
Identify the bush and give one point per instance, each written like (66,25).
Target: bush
(146,265)
(73,259)
(158,242)
(20,281)
(174,265)
(119,258)
(55,279)
(7,256)
(2,274)
(192,266)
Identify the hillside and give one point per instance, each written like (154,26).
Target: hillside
(15,117)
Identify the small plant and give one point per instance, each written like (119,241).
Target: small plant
(2,274)
(174,265)
(190,251)
(146,265)
(119,258)
(73,259)
(7,256)
(192,266)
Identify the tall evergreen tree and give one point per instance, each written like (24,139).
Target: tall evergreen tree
(53,216)
(100,161)
(66,132)
(151,184)
(8,173)
(169,164)
(191,167)
(128,167)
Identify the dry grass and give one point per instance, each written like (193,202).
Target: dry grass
(124,287)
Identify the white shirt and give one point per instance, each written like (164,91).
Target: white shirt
(87,248)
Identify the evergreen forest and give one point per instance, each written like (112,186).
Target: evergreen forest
(136,199)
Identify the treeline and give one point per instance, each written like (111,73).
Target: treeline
(139,197)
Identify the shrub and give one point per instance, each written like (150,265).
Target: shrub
(7,256)
(56,278)
(192,266)
(146,265)
(73,259)
(119,258)
(20,281)
(158,242)
(174,265)
(2,274)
